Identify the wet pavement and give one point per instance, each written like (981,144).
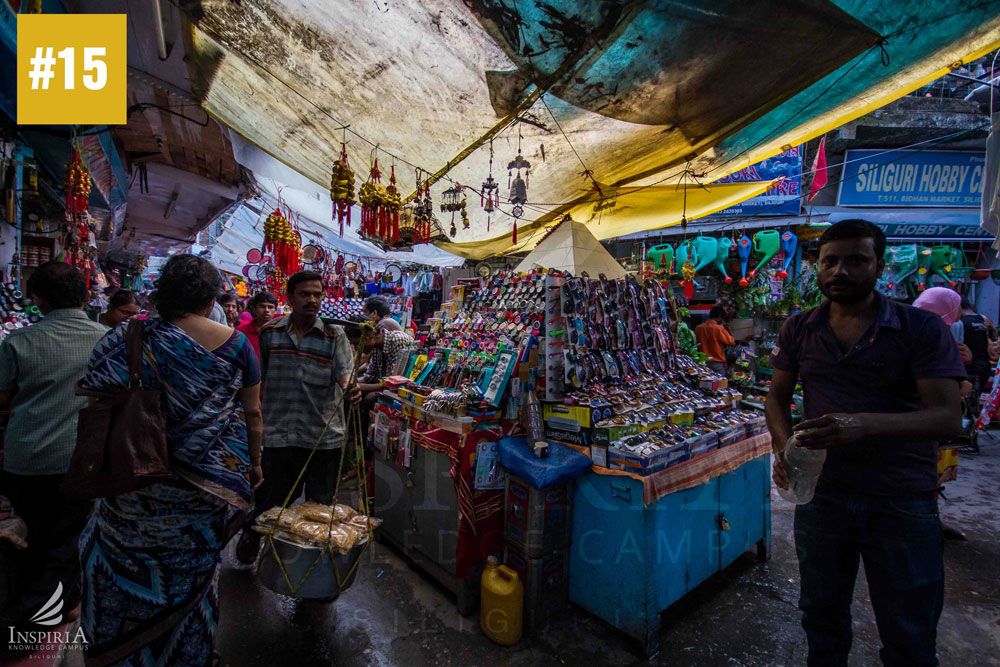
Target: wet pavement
(747,615)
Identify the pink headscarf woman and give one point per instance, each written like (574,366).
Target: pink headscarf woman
(947,304)
(944,302)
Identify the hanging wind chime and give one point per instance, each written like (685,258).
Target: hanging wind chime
(423,212)
(342,190)
(453,201)
(518,185)
(489,196)
(283,242)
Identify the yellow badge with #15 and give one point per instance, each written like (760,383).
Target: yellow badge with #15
(71,69)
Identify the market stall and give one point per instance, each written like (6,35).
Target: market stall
(600,355)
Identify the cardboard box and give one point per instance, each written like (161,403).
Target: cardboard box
(715,385)
(732,434)
(682,418)
(606,435)
(756,427)
(645,465)
(705,443)
(579,414)
(562,433)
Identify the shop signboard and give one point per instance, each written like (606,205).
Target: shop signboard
(933,230)
(783,198)
(885,177)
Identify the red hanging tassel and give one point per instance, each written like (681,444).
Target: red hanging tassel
(515,233)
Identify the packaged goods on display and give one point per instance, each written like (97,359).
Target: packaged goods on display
(310,524)
(601,353)
(16,311)
(354,309)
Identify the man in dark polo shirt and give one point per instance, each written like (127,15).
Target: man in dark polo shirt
(881,388)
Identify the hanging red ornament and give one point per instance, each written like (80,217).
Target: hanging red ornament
(688,273)
(77,185)
(393,204)
(380,207)
(371,196)
(342,190)
(283,241)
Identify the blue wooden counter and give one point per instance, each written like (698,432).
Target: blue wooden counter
(629,562)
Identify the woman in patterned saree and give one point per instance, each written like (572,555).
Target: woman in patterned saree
(151,558)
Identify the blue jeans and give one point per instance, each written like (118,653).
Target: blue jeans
(899,540)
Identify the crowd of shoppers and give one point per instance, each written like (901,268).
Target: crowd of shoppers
(140,569)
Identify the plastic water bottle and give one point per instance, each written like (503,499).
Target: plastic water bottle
(534,426)
(803,467)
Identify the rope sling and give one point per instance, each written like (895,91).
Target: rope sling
(357,442)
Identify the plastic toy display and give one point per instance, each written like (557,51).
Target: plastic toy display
(744,247)
(706,249)
(766,242)
(900,263)
(789,244)
(943,258)
(722,257)
(662,257)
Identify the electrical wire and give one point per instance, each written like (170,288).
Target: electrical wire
(142,106)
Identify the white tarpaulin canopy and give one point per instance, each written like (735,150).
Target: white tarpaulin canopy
(277,185)
(572,248)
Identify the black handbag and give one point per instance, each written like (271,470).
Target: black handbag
(121,439)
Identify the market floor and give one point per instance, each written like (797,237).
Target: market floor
(747,615)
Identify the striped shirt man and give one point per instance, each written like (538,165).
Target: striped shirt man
(301,390)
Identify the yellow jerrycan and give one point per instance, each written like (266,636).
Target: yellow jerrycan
(502,604)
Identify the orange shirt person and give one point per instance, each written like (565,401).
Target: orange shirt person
(713,338)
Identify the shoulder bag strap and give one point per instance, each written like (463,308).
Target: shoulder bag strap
(133,352)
